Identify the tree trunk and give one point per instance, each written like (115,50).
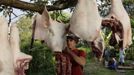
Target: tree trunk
(58,5)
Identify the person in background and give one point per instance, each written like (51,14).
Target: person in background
(122,57)
(112,64)
(77,57)
(106,56)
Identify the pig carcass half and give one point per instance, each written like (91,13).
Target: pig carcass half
(6,56)
(51,31)
(86,22)
(122,30)
(21,60)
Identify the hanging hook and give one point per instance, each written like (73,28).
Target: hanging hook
(10,12)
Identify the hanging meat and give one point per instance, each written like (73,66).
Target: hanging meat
(117,31)
(6,56)
(51,31)
(119,21)
(21,60)
(86,22)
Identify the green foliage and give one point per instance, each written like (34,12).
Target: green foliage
(132,23)
(128,1)
(24,25)
(60,16)
(130,50)
(43,61)
(106,33)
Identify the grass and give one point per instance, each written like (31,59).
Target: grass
(96,68)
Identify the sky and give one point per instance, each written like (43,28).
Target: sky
(20,13)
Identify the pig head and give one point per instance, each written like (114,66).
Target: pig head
(6,56)
(21,60)
(86,22)
(124,32)
(51,31)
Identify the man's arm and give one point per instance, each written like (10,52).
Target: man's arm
(79,59)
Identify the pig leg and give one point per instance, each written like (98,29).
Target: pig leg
(22,63)
(98,47)
(21,60)
(6,57)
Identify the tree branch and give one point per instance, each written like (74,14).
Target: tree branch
(58,5)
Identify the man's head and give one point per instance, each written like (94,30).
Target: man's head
(72,40)
(73,37)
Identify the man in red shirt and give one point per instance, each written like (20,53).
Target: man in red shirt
(77,57)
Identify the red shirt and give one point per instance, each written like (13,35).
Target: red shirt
(77,69)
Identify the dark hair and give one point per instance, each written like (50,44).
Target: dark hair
(73,37)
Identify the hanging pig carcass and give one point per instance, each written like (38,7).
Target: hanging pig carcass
(86,22)
(119,21)
(53,33)
(6,56)
(21,60)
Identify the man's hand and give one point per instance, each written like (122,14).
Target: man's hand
(67,50)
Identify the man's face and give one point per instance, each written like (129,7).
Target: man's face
(71,43)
